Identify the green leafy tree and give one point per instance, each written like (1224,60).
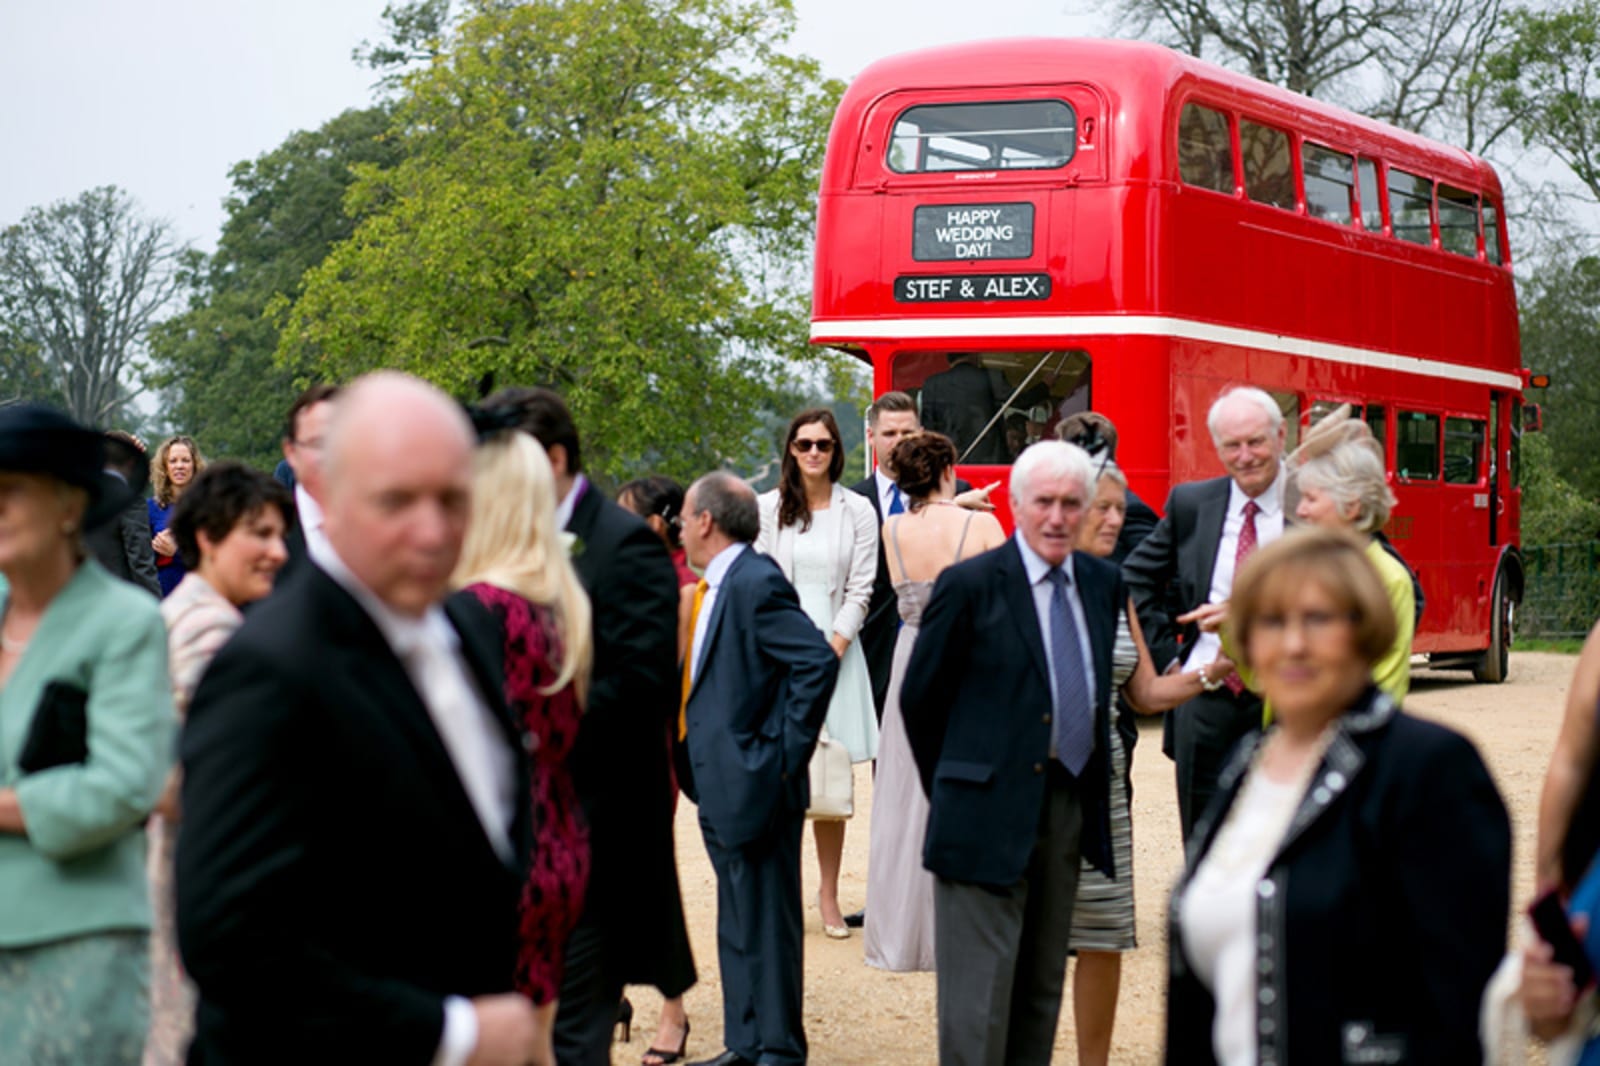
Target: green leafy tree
(1547,77)
(286,210)
(81,283)
(1561,337)
(1554,511)
(612,197)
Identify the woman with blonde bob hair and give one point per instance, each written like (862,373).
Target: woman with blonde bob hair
(515,563)
(1346,893)
(1337,474)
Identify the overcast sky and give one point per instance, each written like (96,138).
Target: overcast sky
(162,97)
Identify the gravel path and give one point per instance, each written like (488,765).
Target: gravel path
(858,1016)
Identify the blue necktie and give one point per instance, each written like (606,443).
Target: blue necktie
(1074,719)
(896,503)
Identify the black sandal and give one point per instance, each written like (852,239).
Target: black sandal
(665,1057)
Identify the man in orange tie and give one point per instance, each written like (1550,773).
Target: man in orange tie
(758,679)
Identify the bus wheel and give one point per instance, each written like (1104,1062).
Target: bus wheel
(1492,665)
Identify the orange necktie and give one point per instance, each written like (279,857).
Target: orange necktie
(688,658)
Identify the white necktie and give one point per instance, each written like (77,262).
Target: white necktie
(482,761)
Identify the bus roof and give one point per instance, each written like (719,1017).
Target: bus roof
(1037,61)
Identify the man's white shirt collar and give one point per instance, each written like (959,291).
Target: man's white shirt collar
(1036,567)
(1270,502)
(403,632)
(569,502)
(717,569)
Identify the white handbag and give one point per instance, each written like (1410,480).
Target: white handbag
(833,783)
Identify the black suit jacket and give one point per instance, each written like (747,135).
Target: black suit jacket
(1170,572)
(334,883)
(977,705)
(760,695)
(123,547)
(1139,523)
(1387,912)
(621,763)
(878,632)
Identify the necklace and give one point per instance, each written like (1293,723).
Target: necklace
(9,645)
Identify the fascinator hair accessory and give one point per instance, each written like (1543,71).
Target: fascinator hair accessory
(488,421)
(1336,429)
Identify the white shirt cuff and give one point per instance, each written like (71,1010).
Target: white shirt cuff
(460,1033)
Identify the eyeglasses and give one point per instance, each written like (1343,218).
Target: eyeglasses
(802,445)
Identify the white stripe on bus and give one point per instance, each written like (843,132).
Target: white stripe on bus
(843,331)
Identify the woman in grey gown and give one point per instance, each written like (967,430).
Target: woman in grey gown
(933,533)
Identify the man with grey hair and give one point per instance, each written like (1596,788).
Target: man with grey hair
(1181,578)
(756,683)
(1007,707)
(355,827)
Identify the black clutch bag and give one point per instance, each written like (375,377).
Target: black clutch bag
(59,735)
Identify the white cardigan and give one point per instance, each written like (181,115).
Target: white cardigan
(855,560)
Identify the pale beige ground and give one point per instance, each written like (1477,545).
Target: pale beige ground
(858,1016)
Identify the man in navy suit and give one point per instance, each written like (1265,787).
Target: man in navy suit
(757,682)
(1007,707)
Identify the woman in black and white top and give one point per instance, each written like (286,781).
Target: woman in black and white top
(1346,899)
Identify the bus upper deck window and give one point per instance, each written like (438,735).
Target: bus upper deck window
(1371,204)
(1205,149)
(1491,232)
(1330,183)
(1409,198)
(1012,135)
(1458,221)
(1268,173)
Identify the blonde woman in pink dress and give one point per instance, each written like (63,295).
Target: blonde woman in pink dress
(228,527)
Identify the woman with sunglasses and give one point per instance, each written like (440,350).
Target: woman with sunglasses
(825,539)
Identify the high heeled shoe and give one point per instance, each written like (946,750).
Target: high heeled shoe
(832,932)
(663,1057)
(624,1022)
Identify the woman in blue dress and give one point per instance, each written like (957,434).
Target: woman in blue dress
(177,462)
(825,539)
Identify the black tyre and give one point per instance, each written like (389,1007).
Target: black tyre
(1493,664)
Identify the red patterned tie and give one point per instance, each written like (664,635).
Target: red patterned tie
(1247,544)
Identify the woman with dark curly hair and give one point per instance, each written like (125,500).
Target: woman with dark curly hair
(178,461)
(933,533)
(228,528)
(825,539)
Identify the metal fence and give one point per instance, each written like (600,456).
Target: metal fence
(1562,597)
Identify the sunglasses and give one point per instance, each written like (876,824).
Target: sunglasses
(825,445)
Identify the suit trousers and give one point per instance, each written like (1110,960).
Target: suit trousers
(589,996)
(1001,952)
(1203,733)
(759,942)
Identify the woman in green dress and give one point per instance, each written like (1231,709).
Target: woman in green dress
(86,727)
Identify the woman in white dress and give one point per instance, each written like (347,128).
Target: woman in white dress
(933,534)
(825,539)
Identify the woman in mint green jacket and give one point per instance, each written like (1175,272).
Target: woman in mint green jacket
(86,736)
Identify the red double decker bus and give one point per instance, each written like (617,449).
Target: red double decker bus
(1013,231)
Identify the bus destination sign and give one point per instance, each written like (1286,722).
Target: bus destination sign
(952,288)
(972,231)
